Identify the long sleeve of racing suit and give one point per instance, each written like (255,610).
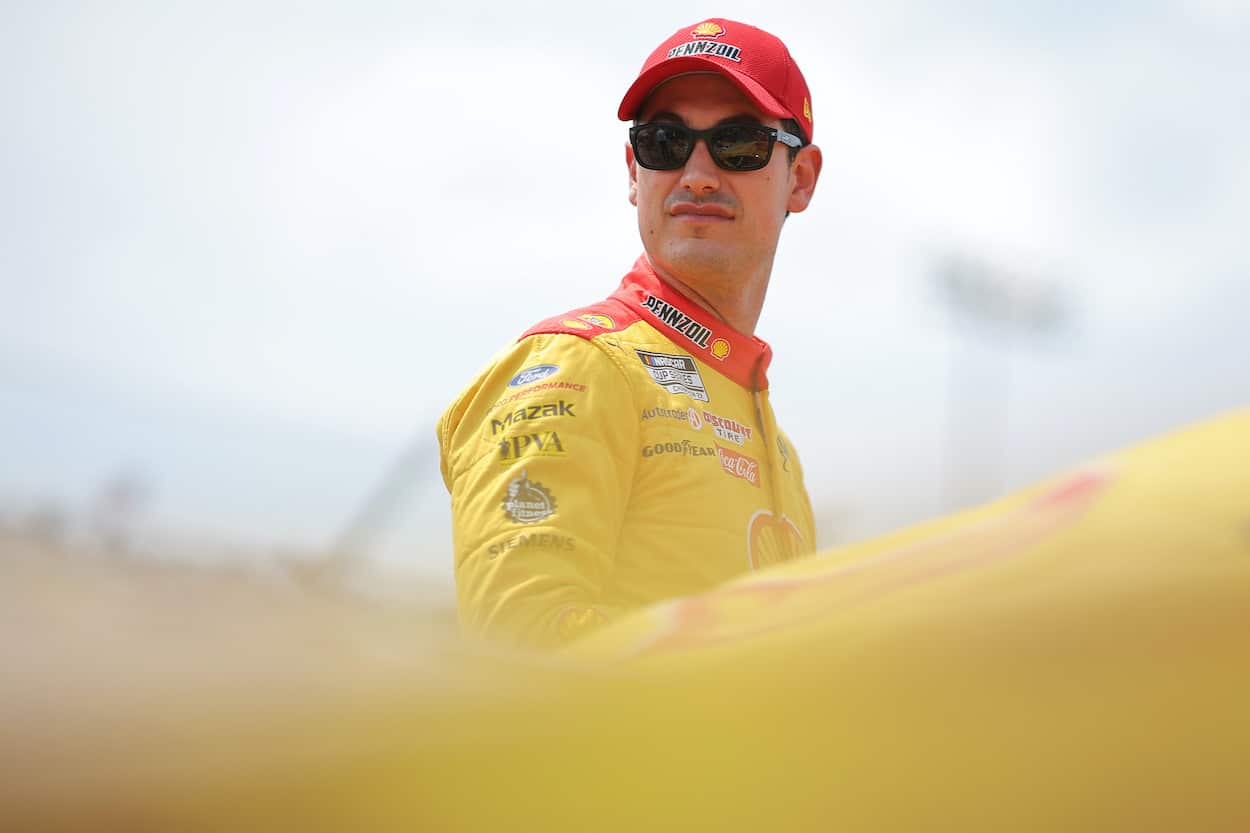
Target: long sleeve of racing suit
(538,454)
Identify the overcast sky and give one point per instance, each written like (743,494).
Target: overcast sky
(253,251)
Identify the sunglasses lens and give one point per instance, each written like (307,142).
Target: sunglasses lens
(662,147)
(740,147)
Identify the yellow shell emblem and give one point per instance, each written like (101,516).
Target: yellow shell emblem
(708,30)
(719,348)
(807,109)
(599,320)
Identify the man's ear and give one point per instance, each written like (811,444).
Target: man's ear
(633,174)
(806,170)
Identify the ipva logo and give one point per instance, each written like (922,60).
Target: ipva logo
(544,444)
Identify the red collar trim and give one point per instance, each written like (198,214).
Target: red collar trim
(742,358)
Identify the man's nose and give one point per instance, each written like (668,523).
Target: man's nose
(700,175)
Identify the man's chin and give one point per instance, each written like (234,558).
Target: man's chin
(692,255)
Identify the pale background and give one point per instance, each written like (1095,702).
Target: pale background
(249,252)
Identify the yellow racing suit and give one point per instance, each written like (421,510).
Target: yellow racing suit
(614,456)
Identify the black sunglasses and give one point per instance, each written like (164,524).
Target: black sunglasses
(665,146)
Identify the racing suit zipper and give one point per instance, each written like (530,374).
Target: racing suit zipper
(774,484)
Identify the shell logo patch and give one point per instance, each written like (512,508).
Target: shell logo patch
(576,325)
(772,540)
(807,109)
(575,620)
(719,348)
(599,320)
(704,43)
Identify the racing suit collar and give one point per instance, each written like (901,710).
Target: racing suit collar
(742,358)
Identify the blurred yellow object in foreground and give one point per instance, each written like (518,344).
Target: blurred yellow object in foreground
(1074,657)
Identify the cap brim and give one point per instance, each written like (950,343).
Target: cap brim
(663,71)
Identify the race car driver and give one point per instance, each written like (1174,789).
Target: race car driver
(625,452)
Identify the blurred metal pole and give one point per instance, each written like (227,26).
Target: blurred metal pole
(978,396)
(997,306)
(378,510)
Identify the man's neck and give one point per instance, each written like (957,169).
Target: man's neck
(736,301)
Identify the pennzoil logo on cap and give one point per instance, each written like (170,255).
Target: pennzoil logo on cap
(710,29)
(704,43)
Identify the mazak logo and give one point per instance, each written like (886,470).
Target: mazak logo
(676,374)
(739,465)
(533,374)
(547,409)
(678,320)
(538,444)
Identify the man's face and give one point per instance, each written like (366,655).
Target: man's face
(702,221)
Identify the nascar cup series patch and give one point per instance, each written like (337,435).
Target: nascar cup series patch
(676,374)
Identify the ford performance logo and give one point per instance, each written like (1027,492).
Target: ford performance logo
(533,374)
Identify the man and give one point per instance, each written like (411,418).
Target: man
(625,452)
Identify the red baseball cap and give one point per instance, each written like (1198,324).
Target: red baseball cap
(757,62)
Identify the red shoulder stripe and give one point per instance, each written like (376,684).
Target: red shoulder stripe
(606,316)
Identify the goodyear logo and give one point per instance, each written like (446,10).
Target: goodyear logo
(685,448)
